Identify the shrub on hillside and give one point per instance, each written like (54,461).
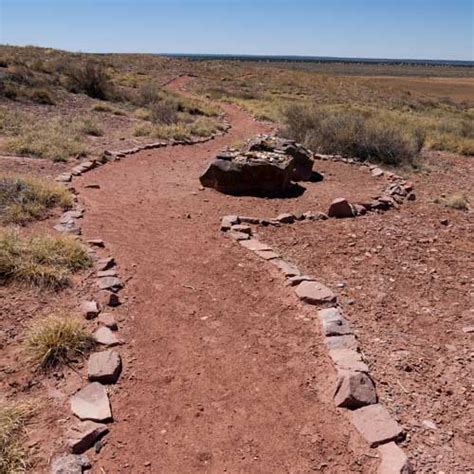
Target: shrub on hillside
(352,134)
(90,79)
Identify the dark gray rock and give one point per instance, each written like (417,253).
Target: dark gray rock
(70,464)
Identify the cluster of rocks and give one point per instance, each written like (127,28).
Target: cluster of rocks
(355,389)
(265,166)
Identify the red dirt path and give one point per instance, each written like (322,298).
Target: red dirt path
(224,370)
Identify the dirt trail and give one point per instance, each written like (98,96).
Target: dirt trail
(224,370)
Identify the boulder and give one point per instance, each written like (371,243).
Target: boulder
(340,208)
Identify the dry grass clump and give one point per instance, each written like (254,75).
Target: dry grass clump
(92,128)
(457,201)
(353,134)
(13,453)
(25,199)
(57,340)
(89,78)
(55,138)
(42,261)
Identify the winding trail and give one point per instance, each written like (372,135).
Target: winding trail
(224,369)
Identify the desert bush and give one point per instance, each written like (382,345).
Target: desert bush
(13,453)
(25,199)
(164,112)
(57,340)
(148,94)
(89,78)
(143,129)
(90,127)
(353,134)
(41,96)
(457,201)
(42,261)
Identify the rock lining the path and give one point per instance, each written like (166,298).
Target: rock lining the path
(104,367)
(83,435)
(70,464)
(92,403)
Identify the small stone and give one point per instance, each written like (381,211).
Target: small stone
(244,229)
(393,460)
(468,329)
(84,434)
(348,360)
(411,196)
(107,320)
(286,218)
(340,208)
(70,464)
(340,342)
(334,324)
(429,424)
(228,221)
(110,283)
(89,309)
(254,244)
(354,390)
(64,178)
(288,269)
(106,337)
(107,298)
(104,367)
(105,264)
(267,254)
(376,425)
(107,273)
(92,403)
(238,235)
(313,292)
(297,279)
(96,243)
(376,172)
(444,222)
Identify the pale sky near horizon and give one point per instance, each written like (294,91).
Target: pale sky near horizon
(409,29)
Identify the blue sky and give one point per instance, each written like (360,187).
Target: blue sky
(429,29)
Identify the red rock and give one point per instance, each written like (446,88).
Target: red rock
(340,342)
(245,229)
(267,254)
(110,283)
(84,434)
(288,269)
(340,208)
(107,298)
(104,367)
(107,320)
(334,324)
(286,218)
(348,360)
(89,309)
(105,264)
(376,425)
(106,337)
(92,403)
(393,460)
(254,244)
(354,390)
(228,221)
(239,235)
(313,292)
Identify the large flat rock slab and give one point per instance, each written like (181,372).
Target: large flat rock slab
(104,367)
(84,434)
(92,403)
(376,425)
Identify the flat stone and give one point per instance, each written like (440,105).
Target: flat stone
(254,245)
(107,298)
(297,279)
(64,178)
(107,273)
(339,342)
(354,390)
(267,254)
(92,403)
(89,309)
(70,464)
(104,367)
(376,425)
(228,221)
(315,216)
(68,228)
(393,460)
(105,264)
(242,228)
(348,360)
(239,235)
(106,337)
(84,434)
(288,269)
(249,220)
(96,243)
(313,292)
(107,320)
(340,208)
(286,218)
(468,329)
(377,172)
(334,324)
(110,283)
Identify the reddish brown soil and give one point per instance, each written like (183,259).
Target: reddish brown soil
(411,280)
(225,371)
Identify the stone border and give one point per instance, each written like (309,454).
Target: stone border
(355,389)
(91,404)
